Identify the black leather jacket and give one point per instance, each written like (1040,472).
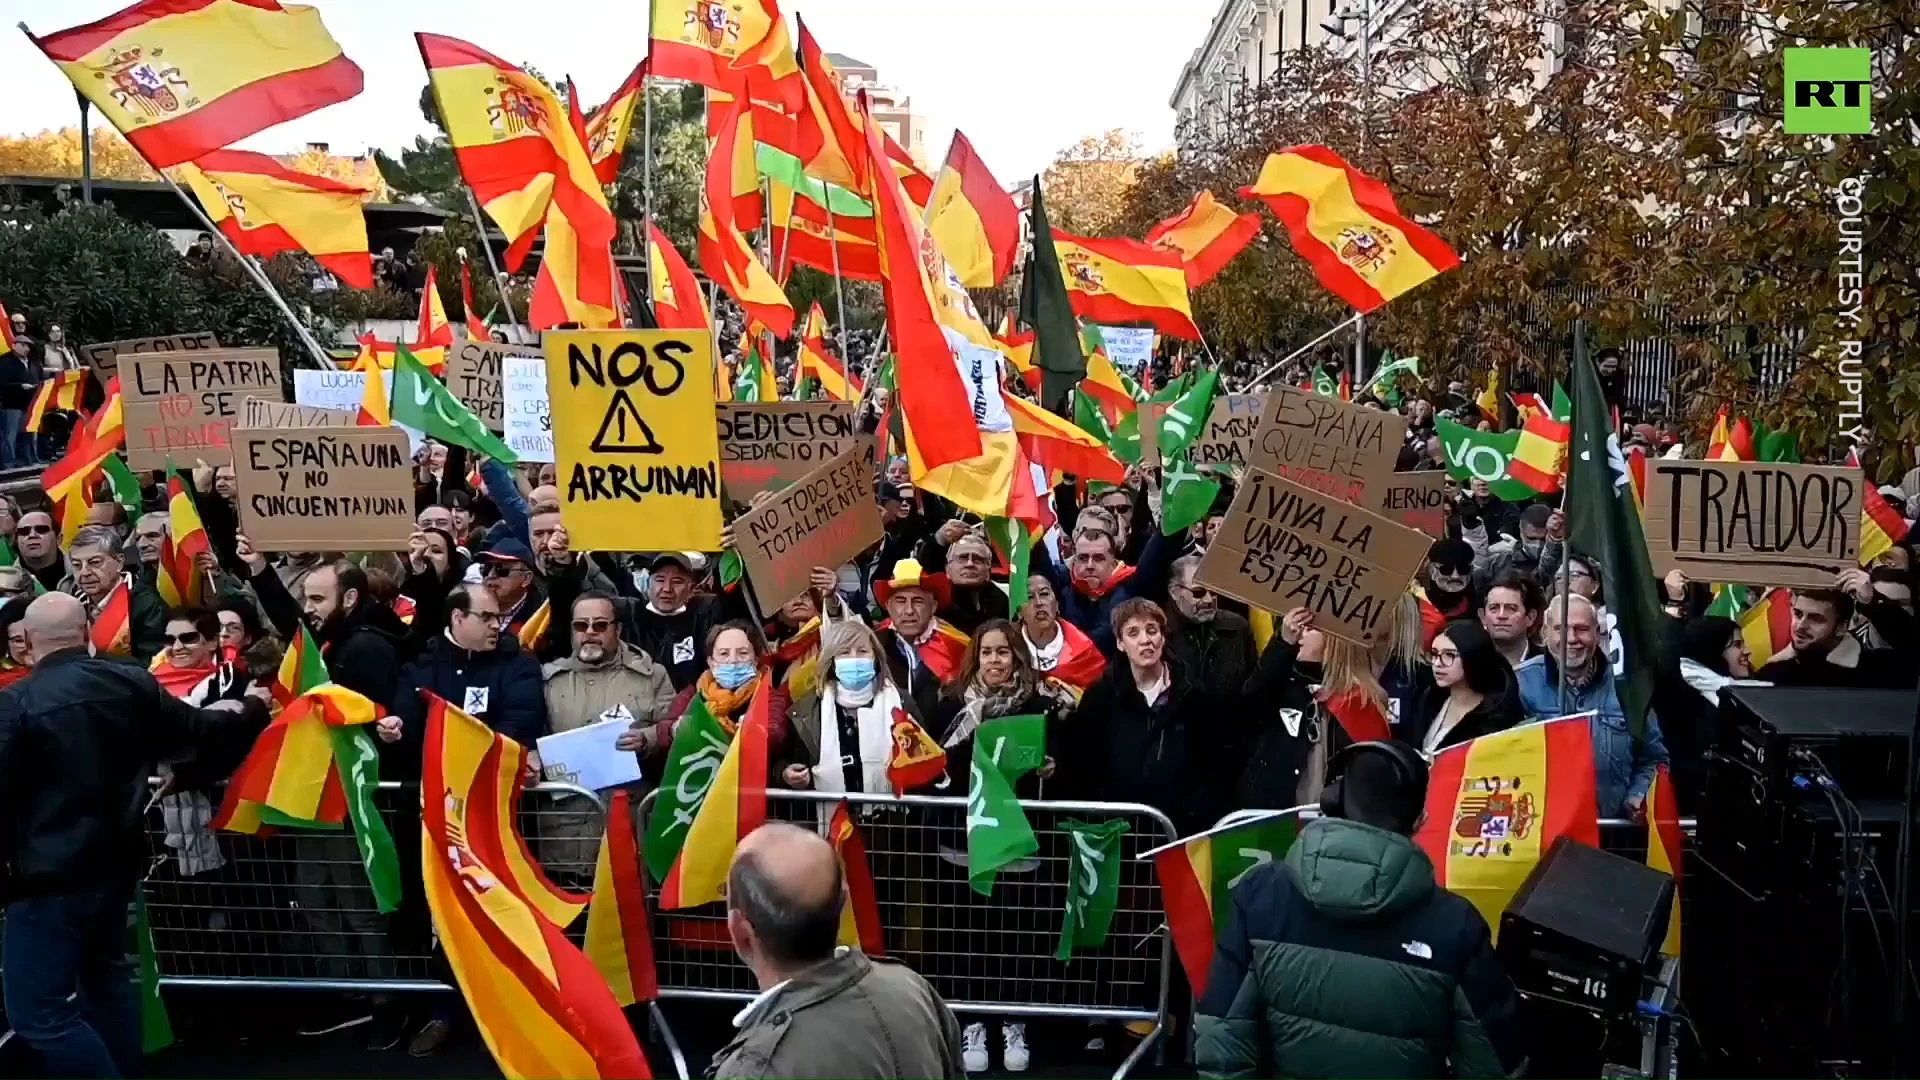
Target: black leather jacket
(78,739)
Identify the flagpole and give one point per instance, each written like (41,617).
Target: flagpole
(259,276)
(499,276)
(646,161)
(839,294)
(1353,320)
(1234,821)
(1566,564)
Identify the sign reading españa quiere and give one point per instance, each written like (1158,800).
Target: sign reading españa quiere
(634,439)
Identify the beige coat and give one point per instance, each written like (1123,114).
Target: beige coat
(578,694)
(848,1017)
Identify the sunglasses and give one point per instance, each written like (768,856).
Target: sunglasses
(500,569)
(35,530)
(597,626)
(191,637)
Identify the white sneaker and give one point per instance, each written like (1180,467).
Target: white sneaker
(973,1048)
(1015,1036)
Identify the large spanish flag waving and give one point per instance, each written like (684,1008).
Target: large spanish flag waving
(1120,280)
(179,582)
(576,279)
(738,47)
(1497,803)
(62,393)
(973,219)
(609,126)
(819,363)
(724,253)
(266,208)
(678,303)
(618,941)
(182,77)
(1058,446)
(1197,879)
(735,804)
(540,1004)
(1347,227)
(1207,235)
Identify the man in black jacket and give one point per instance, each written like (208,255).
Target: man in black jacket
(1824,654)
(359,636)
(1346,959)
(78,739)
(672,625)
(478,670)
(1216,645)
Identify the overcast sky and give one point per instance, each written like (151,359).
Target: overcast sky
(1021,77)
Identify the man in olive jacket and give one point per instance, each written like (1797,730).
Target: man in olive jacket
(822,1011)
(1347,960)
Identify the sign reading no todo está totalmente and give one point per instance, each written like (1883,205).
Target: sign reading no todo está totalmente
(634,438)
(824,518)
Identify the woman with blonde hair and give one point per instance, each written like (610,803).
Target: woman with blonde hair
(843,731)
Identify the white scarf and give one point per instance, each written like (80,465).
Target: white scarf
(875,720)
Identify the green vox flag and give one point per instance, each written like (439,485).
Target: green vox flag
(1093,884)
(1482,455)
(1728,601)
(699,745)
(7,555)
(779,165)
(732,568)
(1088,418)
(422,403)
(1125,441)
(1010,538)
(1603,523)
(1324,384)
(156,1029)
(1386,382)
(1562,404)
(1186,415)
(358,760)
(1239,852)
(1047,310)
(1779,446)
(1004,750)
(1186,494)
(126,489)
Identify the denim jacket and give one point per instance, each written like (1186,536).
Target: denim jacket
(1622,766)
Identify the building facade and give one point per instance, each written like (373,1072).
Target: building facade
(1246,45)
(892,108)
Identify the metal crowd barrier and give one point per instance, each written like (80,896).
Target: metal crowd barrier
(984,955)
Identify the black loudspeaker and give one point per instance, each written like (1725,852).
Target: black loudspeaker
(1585,929)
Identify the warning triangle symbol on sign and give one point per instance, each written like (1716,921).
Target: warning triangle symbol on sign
(624,431)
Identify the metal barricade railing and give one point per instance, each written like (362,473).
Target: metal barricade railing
(294,910)
(990,955)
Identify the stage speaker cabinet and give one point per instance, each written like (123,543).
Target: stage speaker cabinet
(1585,929)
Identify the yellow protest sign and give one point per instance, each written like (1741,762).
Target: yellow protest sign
(634,439)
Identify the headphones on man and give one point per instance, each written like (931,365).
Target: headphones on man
(1406,761)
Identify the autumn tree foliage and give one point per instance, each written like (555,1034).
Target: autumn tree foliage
(57,153)
(1087,184)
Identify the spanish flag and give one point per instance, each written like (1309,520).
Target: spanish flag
(618,941)
(1017,347)
(860,926)
(542,1007)
(1345,224)
(1539,458)
(179,581)
(533,632)
(822,366)
(1207,235)
(739,47)
(58,394)
(735,805)
(1730,442)
(678,303)
(745,195)
(1766,628)
(576,279)
(6,332)
(972,219)
(375,410)
(113,625)
(724,253)
(476,326)
(801,235)
(1497,803)
(266,208)
(1197,879)
(182,77)
(830,144)
(1663,846)
(1058,446)
(917,759)
(69,481)
(108,424)
(1120,280)
(1881,526)
(610,125)
(1103,382)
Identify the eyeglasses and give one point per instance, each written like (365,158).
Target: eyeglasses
(35,530)
(191,637)
(597,626)
(1198,592)
(1443,656)
(491,618)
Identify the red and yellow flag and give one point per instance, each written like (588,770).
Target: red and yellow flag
(58,394)
(290,775)
(6,331)
(113,626)
(1120,280)
(1540,457)
(724,253)
(1881,526)
(1663,846)
(610,125)
(801,235)
(266,208)
(534,631)
(618,941)
(1497,803)
(860,926)
(69,482)
(917,759)
(542,1007)
(179,581)
(736,804)
(477,329)
(1766,628)
(576,280)
(1058,446)
(182,77)
(1207,235)
(736,47)
(972,219)
(434,330)
(822,366)
(1347,227)
(827,131)
(374,407)
(678,303)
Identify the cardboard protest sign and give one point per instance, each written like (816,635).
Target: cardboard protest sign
(766,446)
(474,374)
(332,389)
(1227,438)
(183,406)
(1284,546)
(528,423)
(1332,446)
(262,413)
(634,438)
(824,519)
(324,489)
(104,357)
(1417,500)
(1753,523)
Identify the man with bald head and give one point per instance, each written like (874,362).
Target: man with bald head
(822,1010)
(78,738)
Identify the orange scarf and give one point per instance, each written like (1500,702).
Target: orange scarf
(726,704)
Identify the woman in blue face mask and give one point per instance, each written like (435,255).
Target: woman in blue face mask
(844,730)
(734,674)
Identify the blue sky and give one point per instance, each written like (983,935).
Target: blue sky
(1021,77)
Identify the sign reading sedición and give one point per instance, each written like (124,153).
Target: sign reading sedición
(324,489)
(634,438)
(823,519)
(1753,523)
(766,446)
